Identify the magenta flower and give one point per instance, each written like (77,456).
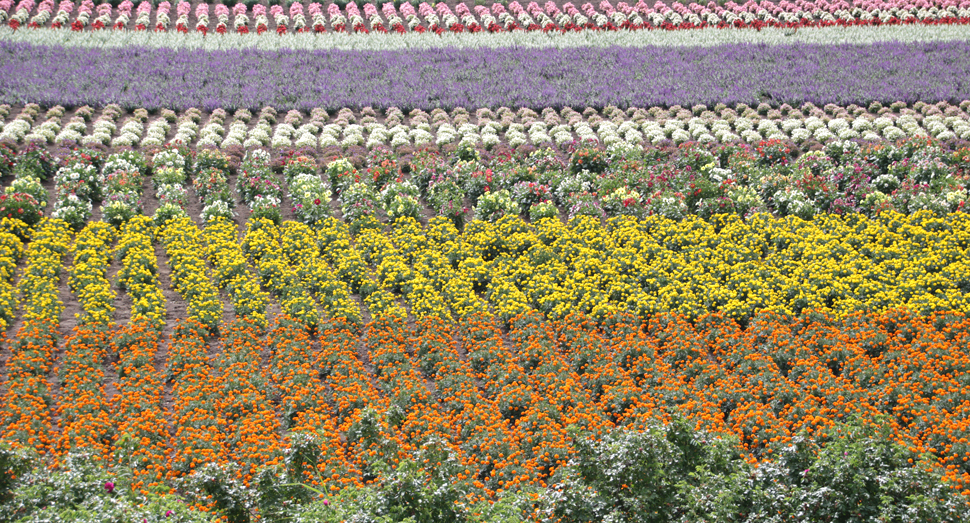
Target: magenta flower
(109,486)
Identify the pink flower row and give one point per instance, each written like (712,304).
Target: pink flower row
(440,17)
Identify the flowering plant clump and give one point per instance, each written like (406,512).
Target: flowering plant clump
(183,244)
(88,281)
(494,205)
(211,159)
(310,197)
(266,206)
(212,185)
(538,211)
(31,186)
(167,175)
(118,208)
(256,182)
(447,198)
(126,161)
(622,201)
(123,180)
(171,157)
(74,210)
(381,166)
(7,156)
(172,194)
(774,152)
(217,209)
(580,182)
(583,204)
(669,204)
(527,193)
(167,212)
(82,179)
(342,173)
(231,270)
(794,202)
(34,162)
(139,267)
(22,206)
(358,200)
(402,206)
(298,165)
(588,158)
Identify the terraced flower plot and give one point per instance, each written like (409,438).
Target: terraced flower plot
(493,262)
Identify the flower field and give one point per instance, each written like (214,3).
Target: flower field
(496,262)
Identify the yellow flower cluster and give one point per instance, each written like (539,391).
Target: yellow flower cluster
(378,296)
(139,271)
(301,251)
(232,272)
(11,250)
(184,246)
(833,264)
(88,279)
(262,244)
(432,285)
(45,255)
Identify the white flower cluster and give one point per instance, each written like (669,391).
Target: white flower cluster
(17,129)
(259,135)
(44,13)
(211,134)
(237,129)
(158,129)
(188,126)
(609,126)
(46,131)
(132,130)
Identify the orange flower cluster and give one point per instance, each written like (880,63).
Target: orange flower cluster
(501,402)
(251,427)
(26,412)
(143,438)
(779,377)
(199,436)
(303,401)
(350,385)
(85,418)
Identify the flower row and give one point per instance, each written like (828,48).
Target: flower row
(502,406)
(704,37)
(484,77)
(190,277)
(440,18)
(11,251)
(143,440)
(643,266)
(488,128)
(88,273)
(38,287)
(691,179)
(84,413)
(232,272)
(139,271)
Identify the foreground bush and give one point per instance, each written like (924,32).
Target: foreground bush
(658,474)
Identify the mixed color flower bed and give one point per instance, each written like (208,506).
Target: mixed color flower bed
(503,262)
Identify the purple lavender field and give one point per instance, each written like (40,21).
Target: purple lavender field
(448,78)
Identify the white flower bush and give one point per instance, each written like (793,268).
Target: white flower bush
(155,133)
